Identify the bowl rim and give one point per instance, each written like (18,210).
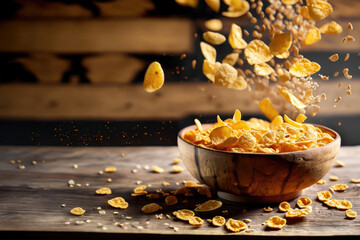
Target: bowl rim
(190,127)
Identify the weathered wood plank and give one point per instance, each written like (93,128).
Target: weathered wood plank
(141,35)
(32,198)
(131,102)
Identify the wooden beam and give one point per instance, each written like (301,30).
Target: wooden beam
(131,102)
(142,35)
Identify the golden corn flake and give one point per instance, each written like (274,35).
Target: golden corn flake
(275,222)
(213,4)
(263,69)
(157,169)
(284,206)
(333,178)
(319,9)
(339,187)
(284,55)
(236,8)
(154,77)
(331,28)
(187,3)
(298,213)
(225,75)
(207,206)
(350,214)
(118,202)
(103,190)
(303,202)
(334,57)
(204,191)
(235,225)
(220,134)
(192,184)
(218,221)
(330,203)
(257,52)
(289,2)
(151,208)
(208,52)
(209,69)
(110,169)
(267,209)
(343,204)
(268,108)
(304,12)
(214,38)
(235,37)
(301,118)
(280,43)
(354,180)
(237,115)
(324,196)
(289,97)
(171,200)
(184,214)
(313,36)
(340,163)
(214,24)
(177,169)
(195,221)
(178,160)
(239,84)
(78,211)
(304,68)
(321,182)
(231,58)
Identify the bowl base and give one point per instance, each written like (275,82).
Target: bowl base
(253,199)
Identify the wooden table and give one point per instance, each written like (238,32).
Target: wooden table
(36,198)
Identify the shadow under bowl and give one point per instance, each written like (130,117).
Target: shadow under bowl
(258,177)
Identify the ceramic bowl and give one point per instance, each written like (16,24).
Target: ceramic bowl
(258,177)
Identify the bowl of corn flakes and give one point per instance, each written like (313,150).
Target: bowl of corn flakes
(257,160)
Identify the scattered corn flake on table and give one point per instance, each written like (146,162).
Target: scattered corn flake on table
(40,185)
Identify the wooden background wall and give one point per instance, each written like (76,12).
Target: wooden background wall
(74,60)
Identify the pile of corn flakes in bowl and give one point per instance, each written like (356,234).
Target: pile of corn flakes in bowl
(257,160)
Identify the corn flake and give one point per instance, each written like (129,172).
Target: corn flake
(298,213)
(225,75)
(284,206)
(208,52)
(220,134)
(207,206)
(236,8)
(103,190)
(187,3)
(324,196)
(350,214)
(78,211)
(275,222)
(213,4)
(177,169)
(331,28)
(304,68)
(301,118)
(343,204)
(218,221)
(195,221)
(214,38)
(280,43)
(354,180)
(118,202)
(184,214)
(154,77)
(303,202)
(313,36)
(235,225)
(151,208)
(214,24)
(339,187)
(289,2)
(235,37)
(287,96)
(157,169)
(268,109)
(263,69)
(110,169)
(209,69)
(276,122)
(257,52)
(231,58)
(171,200)
(319,9)
(192,184)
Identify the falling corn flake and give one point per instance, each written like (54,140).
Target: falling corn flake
(218,221)
(350,214)
(331,28)
(154,77)
(184,214)
(231,59)
(334,57)
(208,52)
(214,24)
(208,206)
(77,211)
(103,191)
(157,169)
(280,43)
(324,196)
(257,52)
(263,69)
(151,208)
(235,37)
(339,187)
(319,9)
(303,202)
(214,38)
(236,8)
(235,225)
(275,222)
(110,169)
(347,56)
(195,221)
(289,97)
(304,68)
(313,36)
(284,206)
(118,202)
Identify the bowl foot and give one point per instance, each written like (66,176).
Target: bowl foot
(253,199)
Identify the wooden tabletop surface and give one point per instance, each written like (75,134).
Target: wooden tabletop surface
(36,197)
